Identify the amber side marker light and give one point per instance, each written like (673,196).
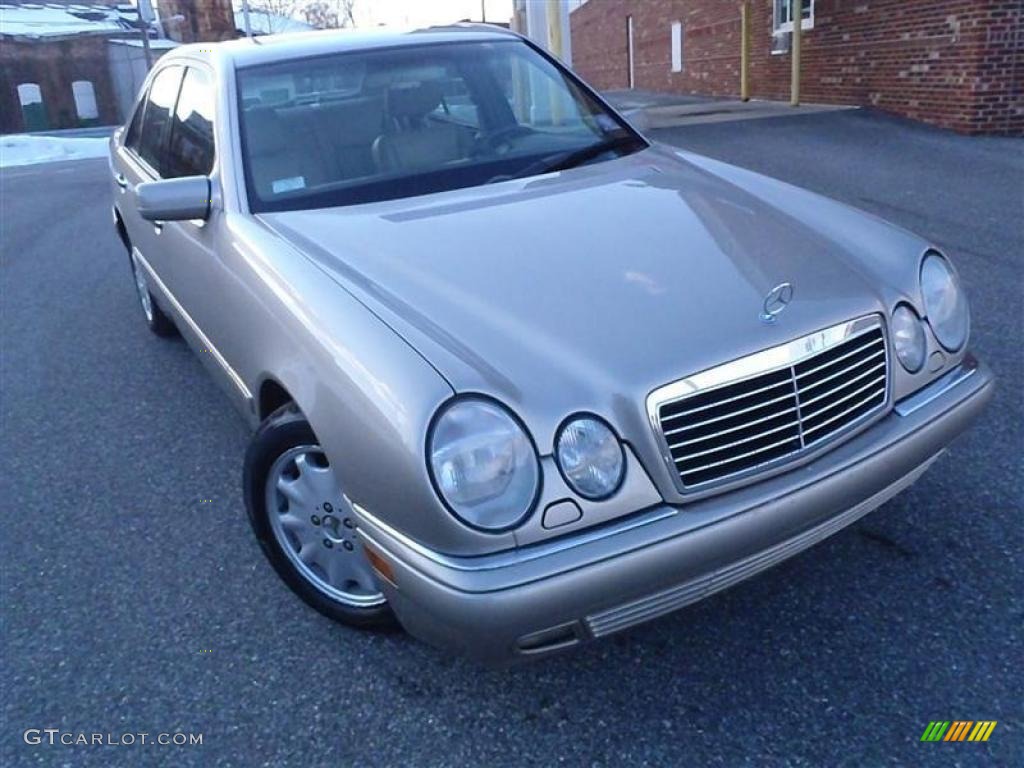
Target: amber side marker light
(380,565)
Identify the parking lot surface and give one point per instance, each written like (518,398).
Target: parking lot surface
(135,598)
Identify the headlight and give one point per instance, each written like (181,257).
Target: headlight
(590,457)
(483,464)
(908,338)
(944,302)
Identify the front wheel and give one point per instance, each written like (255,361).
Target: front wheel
(305,525)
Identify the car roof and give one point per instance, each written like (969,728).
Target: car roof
(264,49)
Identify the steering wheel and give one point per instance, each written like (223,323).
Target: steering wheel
(497,141)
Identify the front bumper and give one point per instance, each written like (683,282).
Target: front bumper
(554,595)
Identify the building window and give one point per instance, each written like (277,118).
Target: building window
(33,112)
(783,16)
(29,93)
(85,100)
(677,46)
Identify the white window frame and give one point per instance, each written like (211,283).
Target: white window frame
(84,94)
(677,46)
(780,28)
(29,94)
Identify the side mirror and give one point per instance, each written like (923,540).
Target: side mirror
(639,119)
(174,199)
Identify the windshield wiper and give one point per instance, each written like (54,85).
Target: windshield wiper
(564,160)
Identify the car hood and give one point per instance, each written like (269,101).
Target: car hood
(587,289)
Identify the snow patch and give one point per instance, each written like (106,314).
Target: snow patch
(20,149)
(36,20)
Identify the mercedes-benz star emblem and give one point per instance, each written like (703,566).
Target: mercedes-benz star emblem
(776,301)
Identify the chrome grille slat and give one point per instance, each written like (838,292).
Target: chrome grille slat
(836,360)
(734,459)
(756,417)
(726,401)
(841,387)
(852,408)
(816,412)
(758,436)
(836,375)
(787,396)
(713,435)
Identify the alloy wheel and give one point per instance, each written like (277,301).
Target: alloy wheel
(142,287)
(315,527)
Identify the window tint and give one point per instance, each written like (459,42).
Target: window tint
(131,139)
(190,152)
(156,118)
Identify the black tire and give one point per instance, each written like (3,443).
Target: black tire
(282,431)
(154,317)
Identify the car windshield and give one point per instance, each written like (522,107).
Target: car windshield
(374,125)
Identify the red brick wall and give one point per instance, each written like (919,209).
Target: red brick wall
(955,63)
(54,65)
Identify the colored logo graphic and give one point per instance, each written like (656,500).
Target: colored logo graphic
(958,730)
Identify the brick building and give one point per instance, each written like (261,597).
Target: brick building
(54,68)
(955,63)
(71,63)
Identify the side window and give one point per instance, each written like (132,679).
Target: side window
(157,117)
(190,152)
(131,139)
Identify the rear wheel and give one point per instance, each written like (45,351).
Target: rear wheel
(156,320)
(305,524)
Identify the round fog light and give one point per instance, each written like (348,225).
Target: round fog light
(590,457)
(908,338)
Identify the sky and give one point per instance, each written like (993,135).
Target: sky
(409,13)
(415,13)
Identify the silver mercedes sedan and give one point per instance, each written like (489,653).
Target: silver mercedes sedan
(520,377)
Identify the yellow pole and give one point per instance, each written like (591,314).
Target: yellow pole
(745,50)
(554,19)
(554,24)
(797,14)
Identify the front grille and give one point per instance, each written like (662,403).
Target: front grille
(734,429)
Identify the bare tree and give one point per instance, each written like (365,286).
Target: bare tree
(330,14)
(276,13)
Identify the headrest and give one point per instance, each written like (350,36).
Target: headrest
(413,99)
(264,131)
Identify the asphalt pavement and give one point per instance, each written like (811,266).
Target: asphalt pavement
(134,598)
